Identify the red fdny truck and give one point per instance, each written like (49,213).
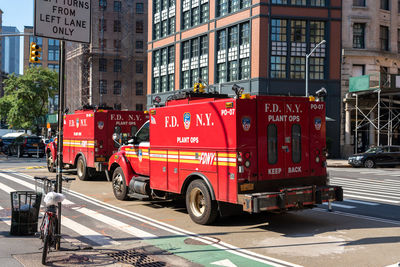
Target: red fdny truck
(264,153)
(88,143)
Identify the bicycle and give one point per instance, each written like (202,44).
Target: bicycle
(49,226)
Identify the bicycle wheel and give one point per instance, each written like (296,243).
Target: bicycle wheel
(45,250)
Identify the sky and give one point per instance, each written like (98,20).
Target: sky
(18,13)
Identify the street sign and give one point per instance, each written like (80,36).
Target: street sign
(63,19)
(359,83)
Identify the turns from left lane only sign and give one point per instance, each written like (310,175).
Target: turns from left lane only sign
(63,19)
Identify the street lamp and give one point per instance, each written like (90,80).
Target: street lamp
(307,56)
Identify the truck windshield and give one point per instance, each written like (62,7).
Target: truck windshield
(143,134)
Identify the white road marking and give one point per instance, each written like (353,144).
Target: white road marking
(6,188)
(358,216)
(225,263)
(362,202)
(377,191)
(394,265)
(5,220)
(370,198)
(115,223)
(87,232)
(366,184)
(340,205)
(395,181)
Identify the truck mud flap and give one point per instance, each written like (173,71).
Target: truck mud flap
(291,198)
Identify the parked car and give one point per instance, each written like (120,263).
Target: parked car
(27,145)
(377,156)
(7,141)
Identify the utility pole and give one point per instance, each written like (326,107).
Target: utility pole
(307,56)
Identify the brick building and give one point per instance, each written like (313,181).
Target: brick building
(111,69)
(259,45)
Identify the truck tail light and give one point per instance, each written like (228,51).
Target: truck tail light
(247,163)
(317,159)
(239,157)
(101,144)
(240,169)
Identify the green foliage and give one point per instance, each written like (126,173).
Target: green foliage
(25,98)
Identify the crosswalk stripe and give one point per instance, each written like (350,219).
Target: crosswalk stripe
(340,205)
(395,181)
(362,202)
(6,188)
(370,198)
(5,220)
(376,192)
(353,193)
(370,183)
(354,185)
(87,232)
(115,223)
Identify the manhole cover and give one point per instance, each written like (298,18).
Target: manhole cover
(191,241)
(136,258)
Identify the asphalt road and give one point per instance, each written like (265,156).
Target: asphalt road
(361,231)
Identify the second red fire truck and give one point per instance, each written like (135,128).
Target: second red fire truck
(88,143)
(264,153)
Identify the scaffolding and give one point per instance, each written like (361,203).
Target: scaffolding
(376,100)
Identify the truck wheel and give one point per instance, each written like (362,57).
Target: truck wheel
(369,163)
(202,209)
(82,170)
(50,163)
(119,185)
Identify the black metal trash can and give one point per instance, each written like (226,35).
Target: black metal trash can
(25,206)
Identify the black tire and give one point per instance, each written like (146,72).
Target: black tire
(41,155)
(119,184)
(369,163)
(45,251)
(50,162)
(82,170)
(201,208)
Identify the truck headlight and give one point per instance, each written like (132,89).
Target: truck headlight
(359,157)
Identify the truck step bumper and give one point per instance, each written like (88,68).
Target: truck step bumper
(291,198)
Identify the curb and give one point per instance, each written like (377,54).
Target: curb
(35,167)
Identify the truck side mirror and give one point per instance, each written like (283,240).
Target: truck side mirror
(116,137)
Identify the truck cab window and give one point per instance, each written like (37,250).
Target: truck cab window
(272,143)
(117,129)
(296,143)
(143,134)
(133,130)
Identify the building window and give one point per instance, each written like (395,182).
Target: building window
(163,74)
(299,2)
(117,44)
(194,63)
(163,18)
(103,87)
(102,25)
(398,40)
(289,44)
(117,65)
(139,26)
(102,64)
(384,38)
(194,13)
(117,87)
(54,67)
(53,50)
(102,4)
(139,45)
(139,66)
(102,43)
(385,4)
(139,8)
(358,2)
(139,88)
(358,35)
(233,53)
(225,7)
(117,6)
(117,26)
(385,77)
(139,107)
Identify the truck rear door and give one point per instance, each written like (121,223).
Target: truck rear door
(282,138)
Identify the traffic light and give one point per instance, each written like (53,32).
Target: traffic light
(198,87)
(34,53)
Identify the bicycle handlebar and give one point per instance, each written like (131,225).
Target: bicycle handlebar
(66,179)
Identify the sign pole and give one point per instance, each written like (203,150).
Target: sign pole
(61,77)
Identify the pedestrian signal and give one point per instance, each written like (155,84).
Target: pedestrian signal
(34,53)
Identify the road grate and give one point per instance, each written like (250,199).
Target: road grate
(136,258)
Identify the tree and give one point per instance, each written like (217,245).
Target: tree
(25,100)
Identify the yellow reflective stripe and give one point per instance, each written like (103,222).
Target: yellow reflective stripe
(158,151)
(189,161)
(231,164)
(227,155)
(189,153)
(158,159)
(173,152)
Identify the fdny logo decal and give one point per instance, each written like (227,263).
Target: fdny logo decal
(77,123)
(246,123)
(140,155)
(207,158)
(186,120)
(153,120)
(317,124)
(100,124)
